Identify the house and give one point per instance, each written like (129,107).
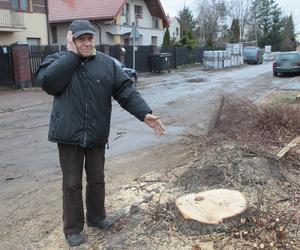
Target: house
(174,29)
(23,21)
(112,18)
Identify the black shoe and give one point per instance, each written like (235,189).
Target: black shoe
(106,223)
(75,239)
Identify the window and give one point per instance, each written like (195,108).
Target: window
(126,13)
(125,10)
(155,23)
(138,11)
(54,34)
(20,5)
(154,40)
(177,32)
(33,41)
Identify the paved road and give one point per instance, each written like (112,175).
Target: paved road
(182,98)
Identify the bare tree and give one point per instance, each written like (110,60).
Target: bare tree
(241,10)
(209,17)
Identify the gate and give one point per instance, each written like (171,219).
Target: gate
(37,55)
(7,78)
(141,58)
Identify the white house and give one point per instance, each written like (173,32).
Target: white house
(113,20)
(174,28)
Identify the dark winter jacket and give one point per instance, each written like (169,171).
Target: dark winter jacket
(82,90)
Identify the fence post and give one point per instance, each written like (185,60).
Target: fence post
(175,56)
(21,62)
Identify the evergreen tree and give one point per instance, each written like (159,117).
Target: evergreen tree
(288,34)
(266,16)
(167,40)
(234,32)
(275,35)
(187,40)
(186,21)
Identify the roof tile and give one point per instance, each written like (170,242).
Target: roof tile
(66,10)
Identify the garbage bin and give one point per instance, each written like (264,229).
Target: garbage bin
(160,61)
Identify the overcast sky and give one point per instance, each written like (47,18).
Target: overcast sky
(172,7)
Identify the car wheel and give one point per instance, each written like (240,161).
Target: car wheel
(134,79)
(275,73)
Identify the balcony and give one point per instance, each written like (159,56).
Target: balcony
(11,21)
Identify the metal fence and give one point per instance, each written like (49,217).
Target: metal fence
(142,60)
(183,55)
(6,68)
(180,56)
(38,54)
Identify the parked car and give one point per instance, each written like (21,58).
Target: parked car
(286,62)
(253,55)
(132,73)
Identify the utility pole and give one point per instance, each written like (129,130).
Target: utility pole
(133,34)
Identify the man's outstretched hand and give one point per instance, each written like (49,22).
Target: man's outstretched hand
(153,122)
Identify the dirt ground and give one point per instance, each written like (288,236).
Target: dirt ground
(150,219)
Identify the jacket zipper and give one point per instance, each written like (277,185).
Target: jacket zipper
(86,105)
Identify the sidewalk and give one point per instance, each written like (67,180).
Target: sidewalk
(12,100)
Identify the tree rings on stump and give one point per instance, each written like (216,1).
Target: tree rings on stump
(213,206)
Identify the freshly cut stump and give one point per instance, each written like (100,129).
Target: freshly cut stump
(212,207)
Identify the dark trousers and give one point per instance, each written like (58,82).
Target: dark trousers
(72,159)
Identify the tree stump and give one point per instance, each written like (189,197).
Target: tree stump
(213,206)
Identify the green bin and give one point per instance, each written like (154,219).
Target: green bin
(160,62)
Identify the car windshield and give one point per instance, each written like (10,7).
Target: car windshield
(287,56)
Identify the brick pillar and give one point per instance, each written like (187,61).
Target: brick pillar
(21,62)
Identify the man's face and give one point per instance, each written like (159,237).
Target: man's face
(85,45)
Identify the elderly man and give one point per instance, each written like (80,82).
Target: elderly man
(82,82)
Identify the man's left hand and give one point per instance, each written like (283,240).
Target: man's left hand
(153,122)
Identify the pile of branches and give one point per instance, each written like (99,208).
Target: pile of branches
(162,216)
(268,224)
(273,125)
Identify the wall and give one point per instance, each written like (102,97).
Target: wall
(62,30)
(108,31)
(144,26)
(36,27)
